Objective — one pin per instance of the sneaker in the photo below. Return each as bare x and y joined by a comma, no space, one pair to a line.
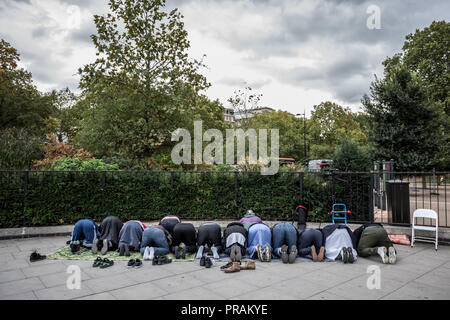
104,247
146,255
202,261
208,263
382,253
235,267
267,253
293,254
344,255
351,257
75,246
392,255
176,251
314,253
321,254
95,246
284,254
36,257
260,253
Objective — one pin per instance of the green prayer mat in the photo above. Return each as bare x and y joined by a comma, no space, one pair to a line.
86,254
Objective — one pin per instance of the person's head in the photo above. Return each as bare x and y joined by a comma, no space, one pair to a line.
250,211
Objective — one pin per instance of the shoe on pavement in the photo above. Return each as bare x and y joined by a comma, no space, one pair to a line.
382,252
344,255
226,265
284,254
36,257
202,261
208,263
249,265
235,267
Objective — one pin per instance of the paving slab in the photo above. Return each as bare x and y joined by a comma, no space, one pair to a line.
143,291
20,286
197,293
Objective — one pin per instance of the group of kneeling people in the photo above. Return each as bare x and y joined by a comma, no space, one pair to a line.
249,236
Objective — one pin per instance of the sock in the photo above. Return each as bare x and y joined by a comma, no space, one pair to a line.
151,252
146,253
199,252
215,253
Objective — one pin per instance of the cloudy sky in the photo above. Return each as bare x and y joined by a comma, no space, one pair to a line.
295,53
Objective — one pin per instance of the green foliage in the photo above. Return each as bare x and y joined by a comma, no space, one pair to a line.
349,156
79,164
329,124
21,104
18,148
404,124
63,197
290,131
143,85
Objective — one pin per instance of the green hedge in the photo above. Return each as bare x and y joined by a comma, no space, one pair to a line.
63,197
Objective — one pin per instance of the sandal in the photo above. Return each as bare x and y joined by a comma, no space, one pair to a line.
138,263
132,263
97,262
106,263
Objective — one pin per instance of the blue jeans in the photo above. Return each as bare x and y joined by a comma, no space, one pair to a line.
86,230
156,238
308,238
283,233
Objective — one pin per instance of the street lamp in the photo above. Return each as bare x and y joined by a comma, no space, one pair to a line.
304,132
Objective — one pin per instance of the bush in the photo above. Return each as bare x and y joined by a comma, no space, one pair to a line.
56,197
79,164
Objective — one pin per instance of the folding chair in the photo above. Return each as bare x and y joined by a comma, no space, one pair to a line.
425,213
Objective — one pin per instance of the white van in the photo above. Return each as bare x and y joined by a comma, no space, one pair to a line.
319,165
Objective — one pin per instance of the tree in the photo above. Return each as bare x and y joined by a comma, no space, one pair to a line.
143,85
404,124
426,53
18,148
328,125
242,102
290,131
349,156
21,104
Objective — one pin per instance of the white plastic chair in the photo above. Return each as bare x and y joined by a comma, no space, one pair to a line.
425,213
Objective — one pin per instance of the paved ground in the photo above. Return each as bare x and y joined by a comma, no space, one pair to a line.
420,273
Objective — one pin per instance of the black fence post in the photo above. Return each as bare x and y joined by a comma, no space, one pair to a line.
171,194
25,193
300,184
236,193
103,193
371,204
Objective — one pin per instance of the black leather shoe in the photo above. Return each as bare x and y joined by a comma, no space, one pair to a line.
202,261
208,263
